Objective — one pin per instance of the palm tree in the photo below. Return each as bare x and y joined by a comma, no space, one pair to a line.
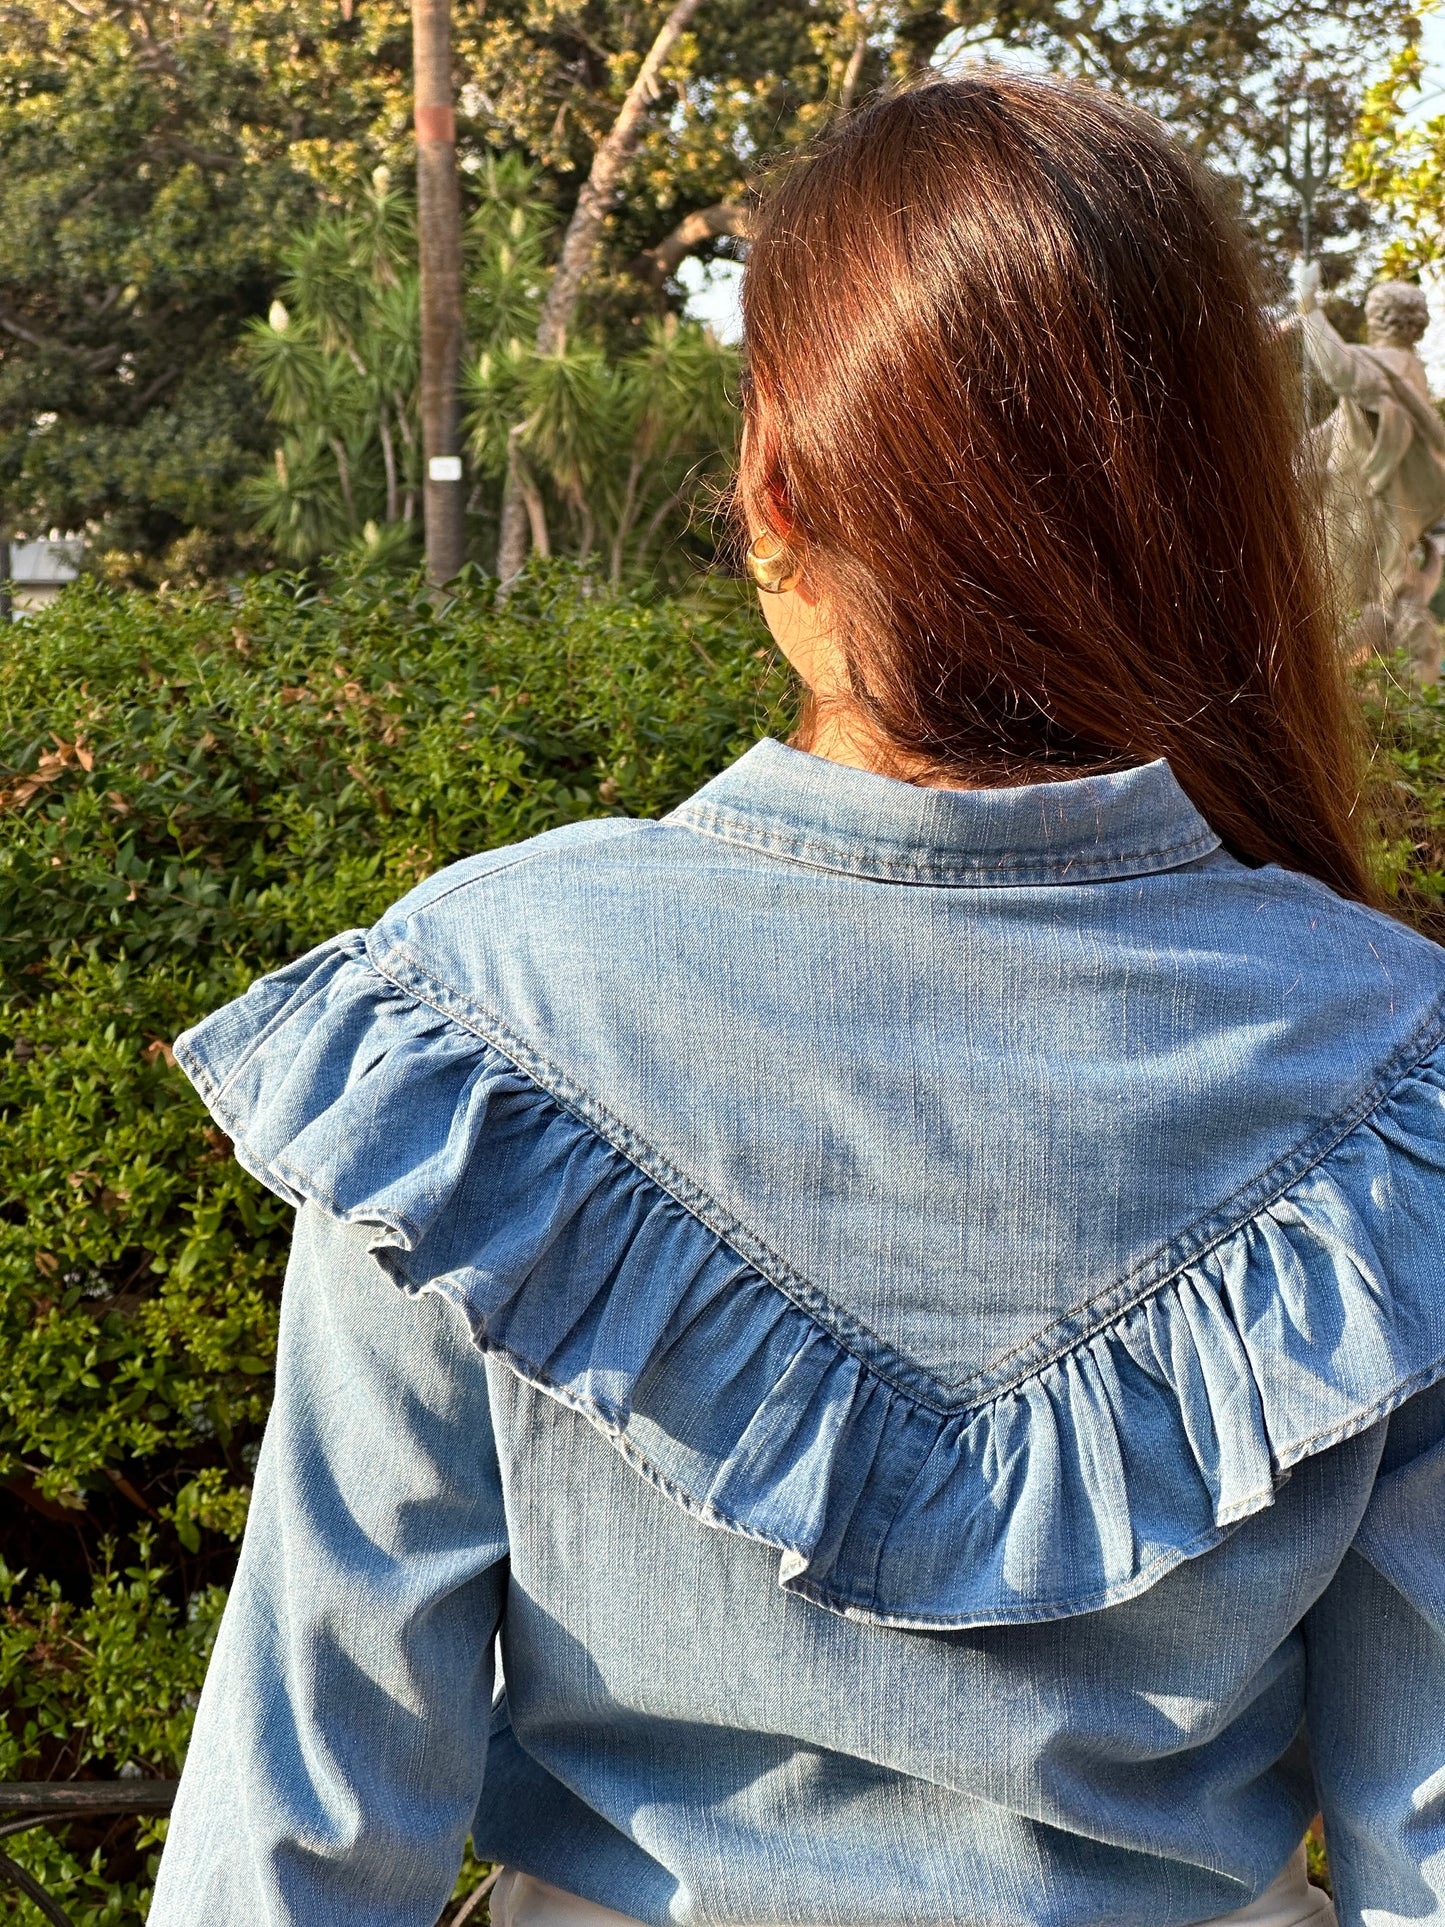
618,447
439,233
610,452
338,362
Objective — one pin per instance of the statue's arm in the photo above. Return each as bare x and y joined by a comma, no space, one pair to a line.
1346,369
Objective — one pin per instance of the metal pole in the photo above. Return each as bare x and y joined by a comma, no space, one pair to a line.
439,233
7,607
1306,169
1307,202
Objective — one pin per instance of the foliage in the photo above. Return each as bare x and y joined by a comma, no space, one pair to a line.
617,448
624,445
1232,79
192,790
151,161
1408,723
155,162
116,1672
1399,164
338,361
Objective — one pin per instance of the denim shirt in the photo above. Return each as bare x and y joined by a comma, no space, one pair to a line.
915,1322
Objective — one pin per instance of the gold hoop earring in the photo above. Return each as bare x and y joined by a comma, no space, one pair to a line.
774,569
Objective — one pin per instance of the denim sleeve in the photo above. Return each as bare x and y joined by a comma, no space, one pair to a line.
341,1737
1376,1707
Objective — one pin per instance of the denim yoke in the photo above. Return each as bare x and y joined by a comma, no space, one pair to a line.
921,1327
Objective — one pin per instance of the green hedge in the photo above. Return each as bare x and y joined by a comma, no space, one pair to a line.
192,791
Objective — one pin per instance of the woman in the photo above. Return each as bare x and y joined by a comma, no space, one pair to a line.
922,1281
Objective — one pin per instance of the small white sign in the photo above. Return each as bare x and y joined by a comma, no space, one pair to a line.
445,468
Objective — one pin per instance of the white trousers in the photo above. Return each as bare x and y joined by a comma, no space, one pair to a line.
520,1901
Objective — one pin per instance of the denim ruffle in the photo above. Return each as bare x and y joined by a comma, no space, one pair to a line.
1132,1450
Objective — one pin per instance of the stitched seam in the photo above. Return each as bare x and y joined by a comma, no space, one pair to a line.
1264,1190
1164,1562
616,1435
340,946
1140,1582
859,1605
729,828
1350,1428
837,1600
1229,1515
1302,1449
1236,1214
852,1603
305,1183
659,1170
713,819
197,1072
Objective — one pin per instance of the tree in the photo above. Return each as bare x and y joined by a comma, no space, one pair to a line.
337,360
1399,165
579,248
616,448
1230,78
625,448
152,161
439,232
155,159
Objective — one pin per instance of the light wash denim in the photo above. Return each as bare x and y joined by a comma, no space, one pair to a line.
916,1317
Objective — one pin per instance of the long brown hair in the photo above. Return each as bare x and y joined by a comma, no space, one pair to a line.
1013,399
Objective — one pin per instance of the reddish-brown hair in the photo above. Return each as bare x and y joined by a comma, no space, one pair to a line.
1012,399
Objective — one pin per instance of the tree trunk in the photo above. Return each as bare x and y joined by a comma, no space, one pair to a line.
513,536
579,245
524,494
439,230
388,456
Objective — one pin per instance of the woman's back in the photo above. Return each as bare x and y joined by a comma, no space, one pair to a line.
957,1214
923,1304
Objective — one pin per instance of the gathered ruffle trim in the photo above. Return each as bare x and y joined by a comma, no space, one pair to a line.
1076,1487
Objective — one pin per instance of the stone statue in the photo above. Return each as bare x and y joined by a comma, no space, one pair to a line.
1383,452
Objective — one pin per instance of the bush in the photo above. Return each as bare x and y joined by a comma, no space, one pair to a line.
1408,724
192,791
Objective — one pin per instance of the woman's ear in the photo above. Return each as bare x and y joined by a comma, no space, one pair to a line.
778,510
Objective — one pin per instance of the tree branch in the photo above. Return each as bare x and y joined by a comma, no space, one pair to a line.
200,156
22,333
658,264
854,68
95,359
579,246
148,394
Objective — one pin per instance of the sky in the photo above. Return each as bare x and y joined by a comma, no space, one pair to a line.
1432,42
712,295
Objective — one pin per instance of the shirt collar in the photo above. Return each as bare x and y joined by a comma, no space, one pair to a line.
824,814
